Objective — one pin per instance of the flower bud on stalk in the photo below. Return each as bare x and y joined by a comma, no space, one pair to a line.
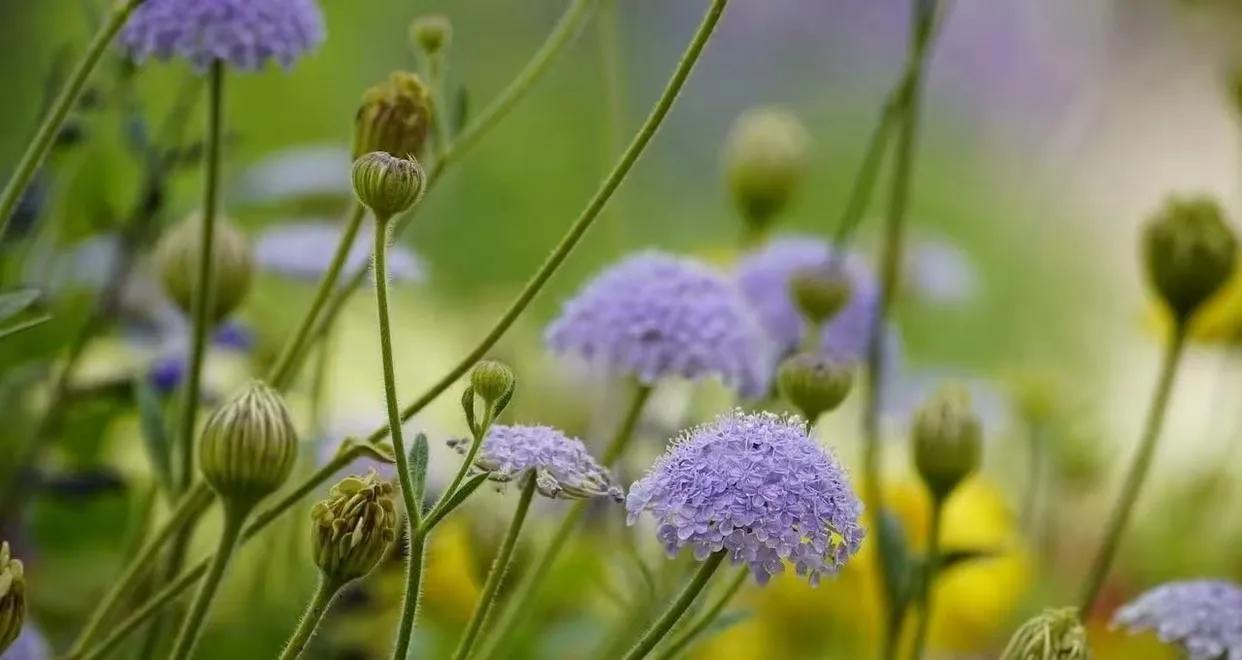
765,160
431,33
1189,253
12,597
386,184
820,293
814,383
353,528
394,117
1056,634
249,445
492,381
178,255
947,440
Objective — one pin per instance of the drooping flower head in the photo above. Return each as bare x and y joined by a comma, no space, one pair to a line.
561,465
764,279
757,486
245,34
654,316
1204,617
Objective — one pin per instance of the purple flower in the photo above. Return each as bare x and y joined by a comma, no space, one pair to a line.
1204,617
654,315
243,33
561,465
757,486
763,277
303,251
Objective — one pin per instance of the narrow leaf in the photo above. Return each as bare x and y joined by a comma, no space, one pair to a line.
15,302
418,465
467,406
25,325
461,110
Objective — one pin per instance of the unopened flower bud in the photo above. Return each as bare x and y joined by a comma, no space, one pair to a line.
765,160
820,293
394,117
432,33
814,383
248,445
179,253
492,380
386,184
947,440
1056,634
1189,252
354,527
12,597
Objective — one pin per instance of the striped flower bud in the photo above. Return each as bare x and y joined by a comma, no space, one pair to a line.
249,445
178,255
386,184
394,117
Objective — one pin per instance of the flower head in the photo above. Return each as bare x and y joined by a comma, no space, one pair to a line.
655,315
245,34
354,527
757,486
561,465
1204,617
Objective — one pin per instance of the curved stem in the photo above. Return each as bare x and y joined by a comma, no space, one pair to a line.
472,452
192,626
683,639
45,136
319,603
500,566
931,567
1138,471
661,626
864,180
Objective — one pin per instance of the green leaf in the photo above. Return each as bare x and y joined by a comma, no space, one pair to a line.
897,560
25,325
16,302
155,439
954,558
461,110
418,466
467,406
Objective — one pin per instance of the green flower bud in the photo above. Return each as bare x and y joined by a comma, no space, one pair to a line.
1054,635
492,380
765,160
820,293
947,440
814,383
12,597
386,184
248,445
432,33
394,117
1189,252
178,255
354,527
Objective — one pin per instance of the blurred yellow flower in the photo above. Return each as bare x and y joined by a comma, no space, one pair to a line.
1219,321
450,584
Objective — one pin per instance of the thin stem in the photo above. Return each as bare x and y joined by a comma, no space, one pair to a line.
661,626
435,77
1035,476
500,566
1138,470
45,136
931,567
476,441
691,633
192,626
864,180
325,591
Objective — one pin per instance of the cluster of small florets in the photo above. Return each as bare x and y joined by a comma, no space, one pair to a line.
561,465
758,487
655,316
1204,617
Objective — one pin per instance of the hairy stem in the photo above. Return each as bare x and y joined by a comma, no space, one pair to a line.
662,625
325,591
192,626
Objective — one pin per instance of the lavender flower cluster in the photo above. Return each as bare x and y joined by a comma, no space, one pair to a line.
561,465
758,487
1204,617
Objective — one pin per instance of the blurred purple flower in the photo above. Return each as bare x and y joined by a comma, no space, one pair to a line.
29,645
654,316
1204,617
243,33
561,465
166,369
757,486
299,173
303,251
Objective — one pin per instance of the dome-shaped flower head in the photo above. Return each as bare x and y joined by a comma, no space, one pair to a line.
757,486
561,465
245,34
764,275
654,316
1204,617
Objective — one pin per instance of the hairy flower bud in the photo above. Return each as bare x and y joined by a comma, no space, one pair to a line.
819,293
178,255
386,184
394,117
947,440
492,380
432,33
354,527
12,597
1189,251
1056,634
765,159
814,383
248,445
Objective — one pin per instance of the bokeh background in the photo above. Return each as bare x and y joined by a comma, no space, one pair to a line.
1052,130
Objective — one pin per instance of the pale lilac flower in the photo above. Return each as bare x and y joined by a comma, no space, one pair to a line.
654,316
941,272
561,466
243,33
29,645
1204,617
305,174
303,251
757,486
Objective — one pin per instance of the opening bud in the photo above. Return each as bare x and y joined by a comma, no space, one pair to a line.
394,117
178,256
1189,252
947,440
1056,634
12,597
820,293
431,33
386,184
492,381
765,160
814,383
249,445
354,527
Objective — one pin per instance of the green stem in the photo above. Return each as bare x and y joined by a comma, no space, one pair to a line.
1138,470
661,626
500,566
1035,478
476,441
45,136
685,637
324,593
192,626
864,181
931,567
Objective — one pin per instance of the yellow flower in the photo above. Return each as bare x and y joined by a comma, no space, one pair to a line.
450,584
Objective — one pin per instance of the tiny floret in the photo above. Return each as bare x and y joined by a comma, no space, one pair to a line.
655,316
354,527
1203,617
12,597
757,486
1056,634
561,466
249,445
